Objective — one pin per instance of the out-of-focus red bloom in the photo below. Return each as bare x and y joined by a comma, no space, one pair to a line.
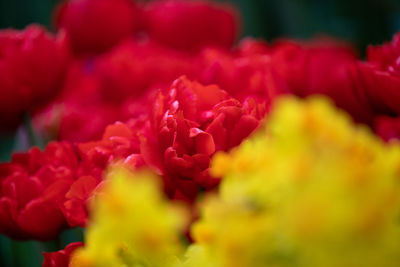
79,114
83,123
119,143
322,67
32,186
60,258
95,26
32,66
189,123
249,47
131,68
113,87
243,72
381,76
75,206
191,25
387,128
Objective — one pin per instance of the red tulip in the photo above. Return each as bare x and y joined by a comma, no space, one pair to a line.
189,123
323,67
32,186
387,128
94,26
131,68
191,25
242,72
381,76
32,66
119,143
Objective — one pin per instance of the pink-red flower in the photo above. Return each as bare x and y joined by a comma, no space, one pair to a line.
60,258
188,124
134,67
95,26
32,186
242,72
32,66
388,128
380,80
115,86
119,144
324,67
74,206
191,25
79,113
381,76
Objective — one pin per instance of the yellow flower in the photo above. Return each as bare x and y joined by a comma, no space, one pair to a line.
132,224
310,189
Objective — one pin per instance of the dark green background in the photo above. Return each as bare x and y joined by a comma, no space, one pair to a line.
361,22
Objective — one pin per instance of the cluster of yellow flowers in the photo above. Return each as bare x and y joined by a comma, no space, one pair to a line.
309,189
132,224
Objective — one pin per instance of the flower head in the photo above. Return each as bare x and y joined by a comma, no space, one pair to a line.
189,123
381,76
94,26
32,186
322,67
119,144
32,67
191,25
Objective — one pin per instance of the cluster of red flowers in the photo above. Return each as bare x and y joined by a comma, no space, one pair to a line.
158,85
32,67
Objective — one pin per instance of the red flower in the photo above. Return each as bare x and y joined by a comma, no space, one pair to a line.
79,113
95,26
381,76
32,186
60,258
113,87
322,67
189,123
75,206
81,123
32,66
387,128
119,143
191,25
243,72
131,68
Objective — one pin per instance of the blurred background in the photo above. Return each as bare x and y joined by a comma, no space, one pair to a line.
361,22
